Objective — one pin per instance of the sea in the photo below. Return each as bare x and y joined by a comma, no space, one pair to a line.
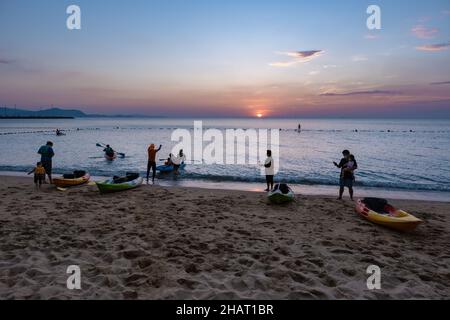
400,158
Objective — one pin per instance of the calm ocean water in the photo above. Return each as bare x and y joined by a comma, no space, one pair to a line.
392,154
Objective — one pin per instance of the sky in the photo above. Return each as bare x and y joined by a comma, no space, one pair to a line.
234,58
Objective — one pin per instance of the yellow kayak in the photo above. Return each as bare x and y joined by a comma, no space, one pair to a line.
71,180
379,211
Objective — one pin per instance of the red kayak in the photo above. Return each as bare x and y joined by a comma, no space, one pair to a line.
111,158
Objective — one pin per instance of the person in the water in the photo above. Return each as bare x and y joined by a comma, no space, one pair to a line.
168,161
109,151
178,161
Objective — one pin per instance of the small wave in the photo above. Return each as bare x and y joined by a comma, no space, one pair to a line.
368,180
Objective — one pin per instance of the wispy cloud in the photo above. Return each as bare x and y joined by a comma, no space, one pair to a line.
446,12
361,93
434,47
359,58
297,57
371,36
422,32
440,83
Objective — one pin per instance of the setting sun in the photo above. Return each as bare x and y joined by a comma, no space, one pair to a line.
259,115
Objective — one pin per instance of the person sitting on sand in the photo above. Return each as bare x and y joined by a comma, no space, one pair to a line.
152,160
109,151
178,161
269,170
47,154
39,174
346,176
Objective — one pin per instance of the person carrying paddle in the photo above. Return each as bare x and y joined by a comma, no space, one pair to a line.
47,154
109,151
151,164
347,175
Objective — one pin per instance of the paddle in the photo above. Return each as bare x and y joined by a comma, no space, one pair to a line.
102,145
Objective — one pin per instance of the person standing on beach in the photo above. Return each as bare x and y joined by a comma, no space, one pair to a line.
347,176
47,154
39,175
269,170
151,164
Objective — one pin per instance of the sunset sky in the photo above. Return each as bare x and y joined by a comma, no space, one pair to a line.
227,58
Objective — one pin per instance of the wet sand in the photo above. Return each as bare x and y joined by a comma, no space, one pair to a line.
187,243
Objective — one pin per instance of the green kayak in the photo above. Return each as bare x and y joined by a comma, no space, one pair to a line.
281,194
119,184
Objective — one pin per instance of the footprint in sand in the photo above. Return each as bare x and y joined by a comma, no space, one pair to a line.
188,284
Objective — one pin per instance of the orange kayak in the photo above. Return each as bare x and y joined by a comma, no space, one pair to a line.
379,211
71,180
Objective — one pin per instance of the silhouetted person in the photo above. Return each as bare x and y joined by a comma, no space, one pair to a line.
151,164
47,154
178,161
109,151
347,176
269,170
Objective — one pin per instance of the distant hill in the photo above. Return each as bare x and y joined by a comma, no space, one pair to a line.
53,112
57,112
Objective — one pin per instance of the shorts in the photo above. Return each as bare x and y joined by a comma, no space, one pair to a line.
346,182
176,167
269,179
39,178
47,166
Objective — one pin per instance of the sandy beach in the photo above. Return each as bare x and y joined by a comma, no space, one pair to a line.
187,243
